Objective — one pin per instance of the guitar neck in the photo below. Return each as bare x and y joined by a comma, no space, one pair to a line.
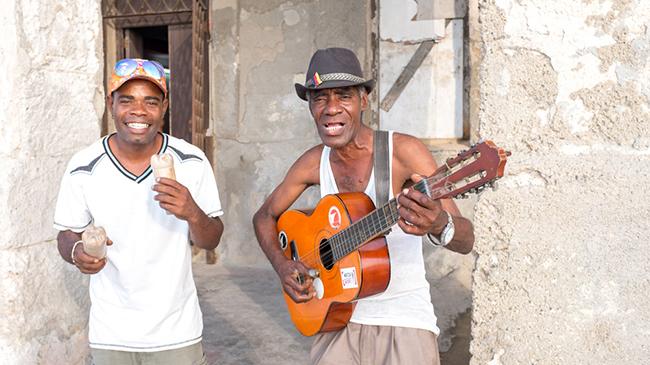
383,218
469,172
364,230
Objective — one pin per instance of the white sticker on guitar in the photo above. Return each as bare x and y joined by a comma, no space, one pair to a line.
349,278
334,217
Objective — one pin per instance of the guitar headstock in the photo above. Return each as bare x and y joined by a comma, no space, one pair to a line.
470,171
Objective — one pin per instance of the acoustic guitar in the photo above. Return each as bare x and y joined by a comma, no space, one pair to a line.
343,241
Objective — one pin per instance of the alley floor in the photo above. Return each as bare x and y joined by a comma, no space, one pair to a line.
246,321
245,318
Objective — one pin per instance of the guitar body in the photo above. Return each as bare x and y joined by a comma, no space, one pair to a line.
357,275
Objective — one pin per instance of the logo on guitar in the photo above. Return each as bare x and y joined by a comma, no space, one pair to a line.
349,278
334,217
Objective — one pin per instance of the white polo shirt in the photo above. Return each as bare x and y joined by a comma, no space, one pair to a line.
144,299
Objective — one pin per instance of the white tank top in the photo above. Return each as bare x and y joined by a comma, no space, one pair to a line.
406,302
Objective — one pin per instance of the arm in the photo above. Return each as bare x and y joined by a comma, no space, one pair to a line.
175,198
85,263
419,214
301,175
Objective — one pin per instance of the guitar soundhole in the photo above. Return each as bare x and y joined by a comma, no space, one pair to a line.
326,255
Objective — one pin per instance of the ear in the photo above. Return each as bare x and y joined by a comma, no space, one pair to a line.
309,102
109,103
165,105
364,101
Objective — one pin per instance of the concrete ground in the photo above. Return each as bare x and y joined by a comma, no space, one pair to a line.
245,317
246,322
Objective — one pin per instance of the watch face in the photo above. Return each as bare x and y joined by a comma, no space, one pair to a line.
448,235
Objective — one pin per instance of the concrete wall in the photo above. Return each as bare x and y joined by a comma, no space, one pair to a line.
50,106
258,50
562,269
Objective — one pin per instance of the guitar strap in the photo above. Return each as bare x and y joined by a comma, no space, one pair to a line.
381,164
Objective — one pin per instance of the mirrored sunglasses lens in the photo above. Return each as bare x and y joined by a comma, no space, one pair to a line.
125,67
159,67
151,69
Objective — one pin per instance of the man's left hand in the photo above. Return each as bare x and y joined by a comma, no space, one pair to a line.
418,213
176,199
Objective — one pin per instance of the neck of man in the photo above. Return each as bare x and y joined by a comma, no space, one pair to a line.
359,146
134,153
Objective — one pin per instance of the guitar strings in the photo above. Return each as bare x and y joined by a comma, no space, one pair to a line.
348,238
338,242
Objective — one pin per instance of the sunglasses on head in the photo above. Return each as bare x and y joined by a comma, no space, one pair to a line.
130,66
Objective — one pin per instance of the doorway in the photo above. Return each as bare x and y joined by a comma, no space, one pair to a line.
152,43
176,36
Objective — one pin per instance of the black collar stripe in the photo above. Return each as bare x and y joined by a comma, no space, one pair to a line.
124,171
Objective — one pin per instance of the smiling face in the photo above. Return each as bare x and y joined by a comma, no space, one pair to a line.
337,113
138,108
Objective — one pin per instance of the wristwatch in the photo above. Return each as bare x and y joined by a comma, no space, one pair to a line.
446,235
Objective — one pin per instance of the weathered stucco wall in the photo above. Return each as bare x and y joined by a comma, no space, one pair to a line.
562,270
258,50
50,106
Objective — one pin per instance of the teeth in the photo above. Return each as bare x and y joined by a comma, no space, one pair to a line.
333,127
138,125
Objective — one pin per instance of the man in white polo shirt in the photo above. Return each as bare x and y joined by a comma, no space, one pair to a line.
145,309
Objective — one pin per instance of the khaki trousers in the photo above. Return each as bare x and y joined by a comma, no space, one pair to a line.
189,355
360,344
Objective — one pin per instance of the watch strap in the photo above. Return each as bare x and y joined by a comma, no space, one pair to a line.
438,241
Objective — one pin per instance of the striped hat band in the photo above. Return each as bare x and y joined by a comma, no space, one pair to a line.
337,76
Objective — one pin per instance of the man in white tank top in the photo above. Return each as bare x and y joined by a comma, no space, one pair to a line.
397,326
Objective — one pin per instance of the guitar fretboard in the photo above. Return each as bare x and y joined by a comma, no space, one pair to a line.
374,224
365,229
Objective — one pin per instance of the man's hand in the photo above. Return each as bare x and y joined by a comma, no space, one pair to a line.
176,199
419,214
291,274
88,264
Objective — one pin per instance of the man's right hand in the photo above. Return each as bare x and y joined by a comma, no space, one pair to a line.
296,281
88,264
